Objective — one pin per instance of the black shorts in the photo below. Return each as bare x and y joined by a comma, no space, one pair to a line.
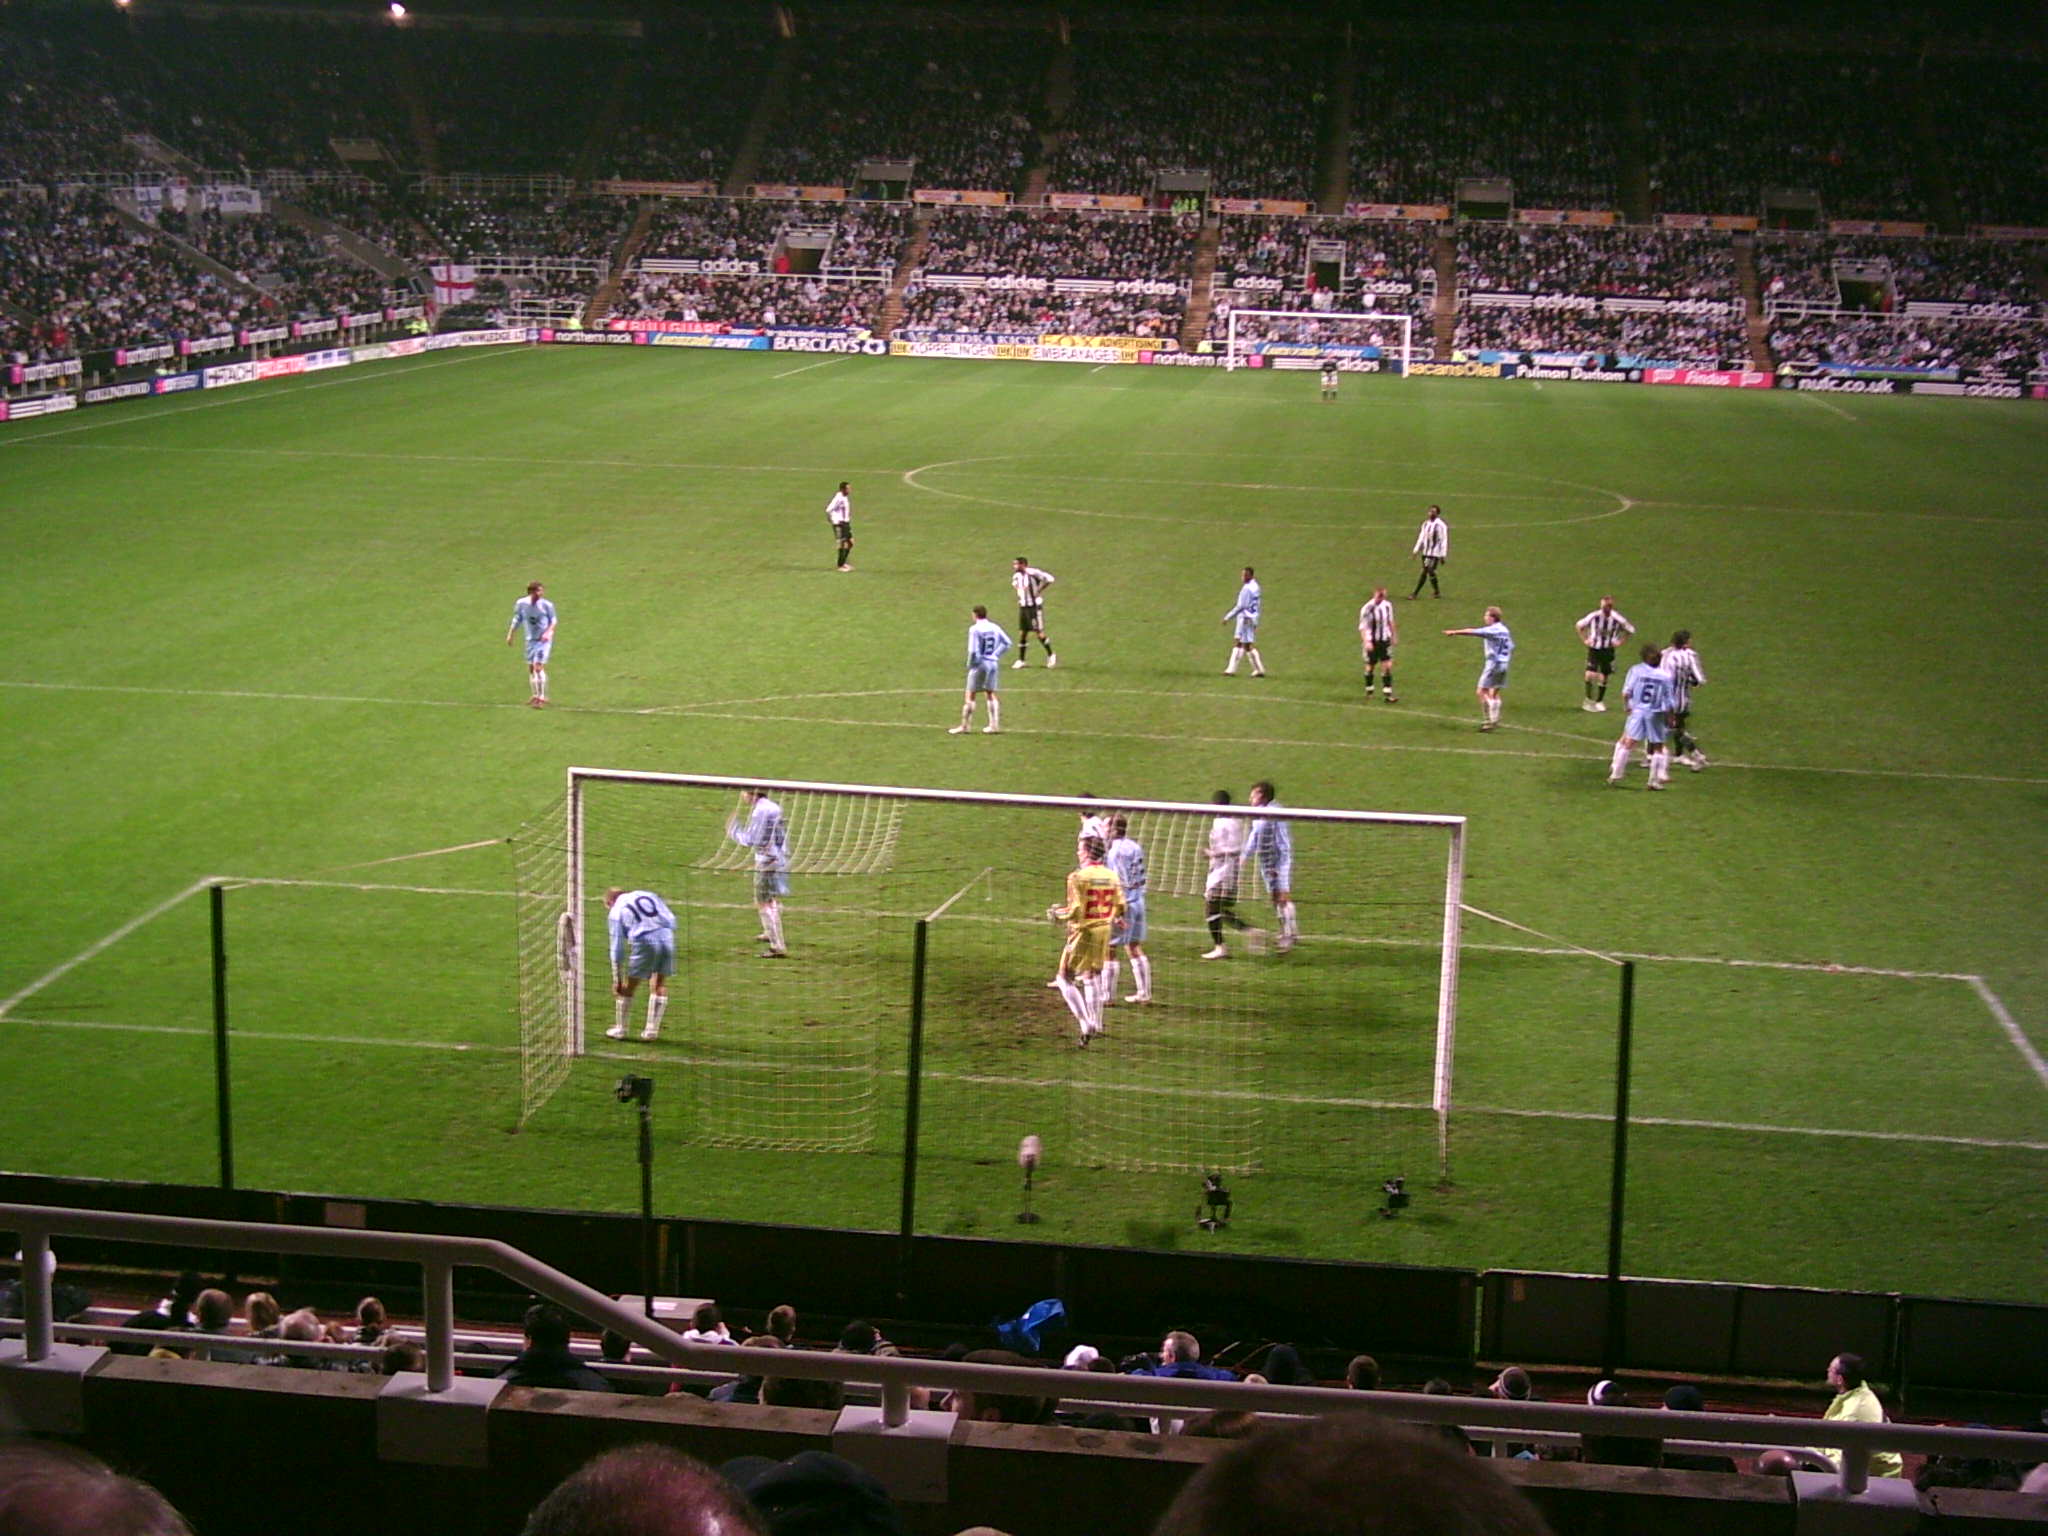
1600,658
843,532
1028,618
1379,650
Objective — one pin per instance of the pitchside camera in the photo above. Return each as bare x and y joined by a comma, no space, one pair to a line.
634,1089
1214,1211
1396,1191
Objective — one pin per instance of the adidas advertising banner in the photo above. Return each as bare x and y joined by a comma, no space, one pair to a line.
1976,389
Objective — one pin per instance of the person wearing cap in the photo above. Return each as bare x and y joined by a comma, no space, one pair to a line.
1512,1385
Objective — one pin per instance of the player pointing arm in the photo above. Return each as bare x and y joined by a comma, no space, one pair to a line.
1493,676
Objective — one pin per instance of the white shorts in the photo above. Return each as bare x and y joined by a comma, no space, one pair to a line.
537,652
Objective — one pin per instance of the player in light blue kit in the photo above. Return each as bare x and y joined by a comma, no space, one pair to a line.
1127,863
643,947
536,615
1648,693
758,824
1500,647
1270,846
986,643
1245,613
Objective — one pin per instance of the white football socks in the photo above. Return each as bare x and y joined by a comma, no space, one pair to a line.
1287,928
622,1009
657,1005
1141,973
1230,666
995,713
1110,972
771,919
1258,666
1077,1004
1620,765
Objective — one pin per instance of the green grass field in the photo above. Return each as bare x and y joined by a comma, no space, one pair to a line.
258,635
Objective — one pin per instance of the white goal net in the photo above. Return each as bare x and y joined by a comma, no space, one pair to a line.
917,945
1359,342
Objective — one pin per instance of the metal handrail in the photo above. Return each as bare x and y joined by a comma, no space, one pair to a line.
439,1256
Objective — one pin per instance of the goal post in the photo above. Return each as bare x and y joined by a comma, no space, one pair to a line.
1340,1046
1353,338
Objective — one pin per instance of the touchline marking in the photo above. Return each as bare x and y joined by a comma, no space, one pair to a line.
1828,405
469,458
123,419
99,947
790,373
706,712
243,882
2010,1025
727,1063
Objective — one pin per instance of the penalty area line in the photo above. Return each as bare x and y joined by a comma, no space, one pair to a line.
790,373
99,947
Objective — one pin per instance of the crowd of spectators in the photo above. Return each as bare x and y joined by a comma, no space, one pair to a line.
927,310
689,102
79,279
1996,154
717,229
296,270
765,301
567,229
1246,109
1431,111
1035,242
1577,259
363,209
1887,341
868,236
1711,341
1381,259
1724,125
1802,267
957,100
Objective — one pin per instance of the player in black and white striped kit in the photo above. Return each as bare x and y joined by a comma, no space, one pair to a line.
1030,584
1376,634
1682,666
1432,548
839,513
1602,630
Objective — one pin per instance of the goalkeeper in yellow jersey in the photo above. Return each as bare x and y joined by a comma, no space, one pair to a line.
1095,901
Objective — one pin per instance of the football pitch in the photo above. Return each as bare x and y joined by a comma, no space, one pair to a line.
258,637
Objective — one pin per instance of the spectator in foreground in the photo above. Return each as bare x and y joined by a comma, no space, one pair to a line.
54,1490
1180,1354
1348,1474
212,1312
644,1490
747,1389
1854,1403
1512,1385
401,1355
1617,1450
546,1360
174,1311
1362,1374
1000,1408
814,1493
1436,1386
1685,1398
262,1319
782,1324
707,1326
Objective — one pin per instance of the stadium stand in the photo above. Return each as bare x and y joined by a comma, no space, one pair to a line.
1247,109
1948,271
1429,110
959,101
683,118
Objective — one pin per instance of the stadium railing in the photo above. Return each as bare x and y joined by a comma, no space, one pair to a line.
438,1258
